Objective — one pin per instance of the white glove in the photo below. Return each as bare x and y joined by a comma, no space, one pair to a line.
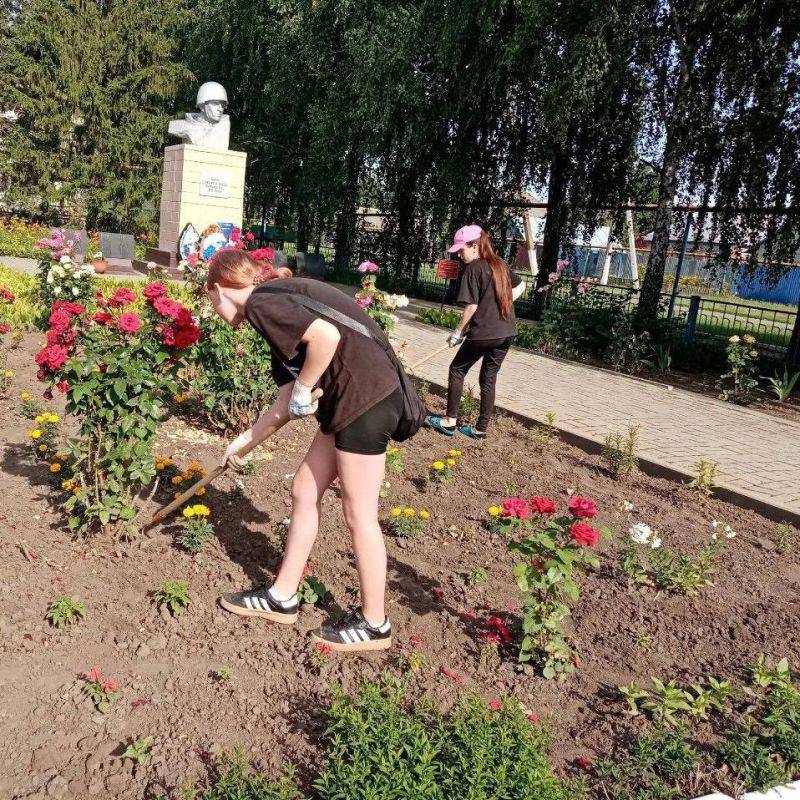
231,457
301,403
455,338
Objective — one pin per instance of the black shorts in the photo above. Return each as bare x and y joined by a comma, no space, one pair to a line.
370,433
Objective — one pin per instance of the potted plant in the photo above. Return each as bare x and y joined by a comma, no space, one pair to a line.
99,263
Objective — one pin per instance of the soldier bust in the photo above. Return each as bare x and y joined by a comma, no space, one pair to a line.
212,126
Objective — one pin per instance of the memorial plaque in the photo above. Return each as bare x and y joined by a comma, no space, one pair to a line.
117,245
447,269
214,184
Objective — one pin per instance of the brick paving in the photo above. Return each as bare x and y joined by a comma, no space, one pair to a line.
758,455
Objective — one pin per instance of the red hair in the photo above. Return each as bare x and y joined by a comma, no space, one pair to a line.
237,270
500,276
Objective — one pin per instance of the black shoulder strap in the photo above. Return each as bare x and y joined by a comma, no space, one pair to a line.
327,311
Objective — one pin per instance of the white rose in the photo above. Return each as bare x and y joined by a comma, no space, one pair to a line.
76,291
65,260
401,300
49,277
640,533
656,543
57,290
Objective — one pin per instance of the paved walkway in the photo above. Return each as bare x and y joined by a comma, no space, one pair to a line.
758,455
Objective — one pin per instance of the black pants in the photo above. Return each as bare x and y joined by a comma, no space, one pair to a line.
493,353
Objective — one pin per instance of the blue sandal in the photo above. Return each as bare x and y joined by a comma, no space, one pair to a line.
436,423
468,430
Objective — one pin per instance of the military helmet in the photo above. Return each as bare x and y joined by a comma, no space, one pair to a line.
211,90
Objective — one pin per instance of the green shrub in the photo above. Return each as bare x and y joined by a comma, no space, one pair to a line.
233,376
754,763
234,779
18,237
381,747
65,611
653,770
23,313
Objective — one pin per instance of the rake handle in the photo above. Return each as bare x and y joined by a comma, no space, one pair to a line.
428,357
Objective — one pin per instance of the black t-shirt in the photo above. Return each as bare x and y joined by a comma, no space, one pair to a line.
477,287
360,374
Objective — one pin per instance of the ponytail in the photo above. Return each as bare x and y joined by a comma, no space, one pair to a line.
500,276
237,270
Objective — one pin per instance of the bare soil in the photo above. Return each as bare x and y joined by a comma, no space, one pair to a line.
54,744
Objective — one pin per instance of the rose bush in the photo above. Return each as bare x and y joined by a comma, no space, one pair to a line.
378,304
59,277
115,368
554,548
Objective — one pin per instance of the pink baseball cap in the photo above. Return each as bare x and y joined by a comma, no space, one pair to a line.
465,235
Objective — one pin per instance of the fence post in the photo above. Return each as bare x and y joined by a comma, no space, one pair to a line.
679,267
793,351
691,319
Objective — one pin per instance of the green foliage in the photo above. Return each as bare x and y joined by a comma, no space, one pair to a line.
545,434
469,406
785,537
312,591
547,577
196,534
443,318
705,479
139,751
476,576
394,459
174,596
64,611
94,85
233,377
25,311
753,762
740,383
18,237
379,747
783,386
234,779
620,452
653,770
30,408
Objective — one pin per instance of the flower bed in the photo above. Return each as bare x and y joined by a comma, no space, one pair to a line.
150,618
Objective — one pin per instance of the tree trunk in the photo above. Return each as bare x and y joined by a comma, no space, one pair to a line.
302,228
556,216
345,234
647,309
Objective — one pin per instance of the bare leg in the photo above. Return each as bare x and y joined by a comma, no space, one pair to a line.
360,478
311,480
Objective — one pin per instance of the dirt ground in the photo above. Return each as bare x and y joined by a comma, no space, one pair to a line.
54,744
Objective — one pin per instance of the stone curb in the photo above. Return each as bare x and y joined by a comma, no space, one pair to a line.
789,791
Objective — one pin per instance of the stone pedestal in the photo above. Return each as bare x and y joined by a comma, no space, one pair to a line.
200,186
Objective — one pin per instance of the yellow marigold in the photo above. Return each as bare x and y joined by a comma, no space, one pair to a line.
9,374
494,511
76,489
61,456
51,417
179,398
451,462
409,512
39,419
194,466
396,512
176,479
201,491
425,514
55,467
66,485
42,448
25,395
438,465
200,510
455,452
188,512
35,434
393,450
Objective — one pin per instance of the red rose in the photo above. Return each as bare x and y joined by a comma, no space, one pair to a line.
186,337
4,327
542,505
153,291
60,320
53,357
584,535
515,507
102,317
6,296
167,307
122,298
73,309
129,322
40,374
99,300
62,387
582,507
47,394
249,236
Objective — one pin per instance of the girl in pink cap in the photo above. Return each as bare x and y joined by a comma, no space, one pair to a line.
485,331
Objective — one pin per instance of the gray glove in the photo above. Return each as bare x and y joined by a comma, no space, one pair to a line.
455,338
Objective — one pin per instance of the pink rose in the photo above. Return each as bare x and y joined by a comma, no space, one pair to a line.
364,301
367,267
582,507
129,322
542,505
